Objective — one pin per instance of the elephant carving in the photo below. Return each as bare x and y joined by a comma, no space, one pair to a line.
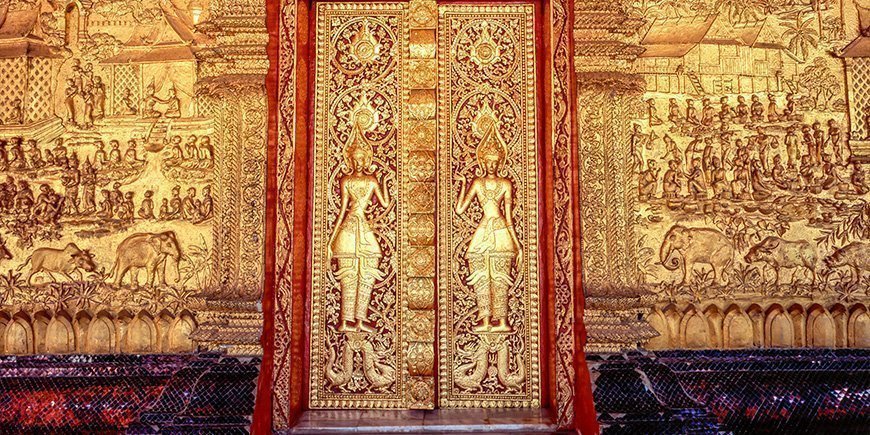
149,251
683,248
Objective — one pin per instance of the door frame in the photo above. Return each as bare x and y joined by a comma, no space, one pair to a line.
282,386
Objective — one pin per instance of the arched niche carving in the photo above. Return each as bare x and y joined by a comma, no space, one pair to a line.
714,323
179,333
778,327
5,319
81,324
694,330
122,322
737,329
40,327
18,338
164,323
799,324
841,323
859,327
141,335
821,331
756,316
657,320
673,317
59,335
101,334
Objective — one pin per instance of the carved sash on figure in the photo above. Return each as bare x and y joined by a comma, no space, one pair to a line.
488,278
356,288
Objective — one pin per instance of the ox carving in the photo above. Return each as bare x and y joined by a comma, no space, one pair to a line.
779,253
60,261
855,256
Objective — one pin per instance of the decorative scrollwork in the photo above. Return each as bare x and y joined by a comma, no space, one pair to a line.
357,285
488,208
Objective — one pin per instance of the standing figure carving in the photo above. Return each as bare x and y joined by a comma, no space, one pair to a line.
494,246
354,245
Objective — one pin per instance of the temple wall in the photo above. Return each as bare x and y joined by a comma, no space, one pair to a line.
723,226
132,210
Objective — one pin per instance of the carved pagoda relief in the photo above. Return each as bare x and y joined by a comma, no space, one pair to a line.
116,161
728,155
487,208
357,285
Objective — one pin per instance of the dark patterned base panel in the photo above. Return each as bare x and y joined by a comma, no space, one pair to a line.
750,391
668,392
205,393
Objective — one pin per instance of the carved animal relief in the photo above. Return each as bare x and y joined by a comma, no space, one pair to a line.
131,189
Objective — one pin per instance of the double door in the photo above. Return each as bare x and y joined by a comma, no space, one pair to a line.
424,274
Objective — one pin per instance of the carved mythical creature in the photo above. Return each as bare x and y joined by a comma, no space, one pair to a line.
339,368
149,251
683,247
469,375
63,261
494,245
353,244
780,253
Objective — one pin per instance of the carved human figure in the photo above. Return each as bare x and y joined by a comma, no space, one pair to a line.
353,244
494,247
648,181
173,104
149,103
146,210
128,105
206,150
70,93
99,96
88,182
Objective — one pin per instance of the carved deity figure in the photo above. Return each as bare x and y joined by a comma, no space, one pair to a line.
494,247
353,244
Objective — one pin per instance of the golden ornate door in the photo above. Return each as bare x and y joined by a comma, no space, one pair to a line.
425,176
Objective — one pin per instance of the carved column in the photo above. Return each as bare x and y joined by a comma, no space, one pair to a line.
232,67
606,92
420,218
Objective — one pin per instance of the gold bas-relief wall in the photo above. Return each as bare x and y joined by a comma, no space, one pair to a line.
725,151
132,154
405,97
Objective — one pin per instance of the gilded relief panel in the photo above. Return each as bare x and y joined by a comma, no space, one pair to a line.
357,277
487,207
742,202
116,160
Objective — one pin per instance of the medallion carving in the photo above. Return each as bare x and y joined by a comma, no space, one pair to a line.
487,208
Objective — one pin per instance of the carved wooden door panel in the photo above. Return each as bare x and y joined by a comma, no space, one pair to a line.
424,113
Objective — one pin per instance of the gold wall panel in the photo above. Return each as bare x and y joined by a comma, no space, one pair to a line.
487,207
132,176
723,179
358,230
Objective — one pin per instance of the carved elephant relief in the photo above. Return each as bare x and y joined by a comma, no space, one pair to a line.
683,248
149,251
